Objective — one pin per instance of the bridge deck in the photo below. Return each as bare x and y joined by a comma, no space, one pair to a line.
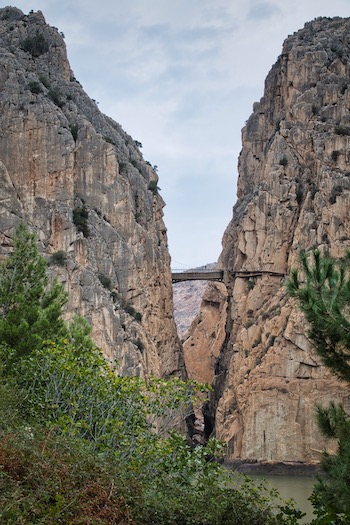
218,275
201,275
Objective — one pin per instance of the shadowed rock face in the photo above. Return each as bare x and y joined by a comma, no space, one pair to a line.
293,193
80,182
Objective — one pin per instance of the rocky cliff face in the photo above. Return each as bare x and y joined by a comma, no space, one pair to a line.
80,182
207,333
293,193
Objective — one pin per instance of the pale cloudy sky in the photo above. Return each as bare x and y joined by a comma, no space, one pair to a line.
181,77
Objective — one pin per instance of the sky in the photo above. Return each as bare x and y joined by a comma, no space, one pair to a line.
181,77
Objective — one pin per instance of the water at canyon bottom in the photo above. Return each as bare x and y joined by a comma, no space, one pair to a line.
298,488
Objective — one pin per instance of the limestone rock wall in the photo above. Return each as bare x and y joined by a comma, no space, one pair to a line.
207,334
80,182
293,193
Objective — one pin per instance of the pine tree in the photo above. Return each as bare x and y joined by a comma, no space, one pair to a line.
323,293
30,307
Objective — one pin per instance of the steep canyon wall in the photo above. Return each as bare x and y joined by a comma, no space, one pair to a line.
81,184
293,193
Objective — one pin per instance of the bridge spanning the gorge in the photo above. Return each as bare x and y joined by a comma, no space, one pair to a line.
209,274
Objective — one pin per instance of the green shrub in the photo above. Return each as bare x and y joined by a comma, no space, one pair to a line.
109,140
56,96
50,477
131,311
80,217
35,87
36,45
299,193
153,187
336,191
283,161
45,81
342,130
105,281
139,344
251,283
335,155
59,258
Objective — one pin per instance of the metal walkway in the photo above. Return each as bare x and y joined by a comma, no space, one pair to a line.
196,275
218,275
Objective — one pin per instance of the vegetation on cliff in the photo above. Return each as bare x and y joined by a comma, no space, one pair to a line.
323,293
80,445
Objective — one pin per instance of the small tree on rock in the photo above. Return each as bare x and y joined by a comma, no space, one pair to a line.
31,308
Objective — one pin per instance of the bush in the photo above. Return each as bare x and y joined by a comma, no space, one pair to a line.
35,87
45,81
131,311
105,281
283,161
80,217
58,258
74,129
139,344
342,130
55,95
109,140
299,193
153,187
251,283
335,155
49,477
36,45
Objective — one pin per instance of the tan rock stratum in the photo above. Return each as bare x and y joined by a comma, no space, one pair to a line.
62,160
293,193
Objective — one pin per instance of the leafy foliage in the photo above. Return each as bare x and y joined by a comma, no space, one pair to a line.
56,96
35,87
80,445
105,281
59,258
324,297
50,477
80,217
323,294
36,45
153,187
31,308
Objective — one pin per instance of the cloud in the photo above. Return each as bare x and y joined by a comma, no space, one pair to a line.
263,11
181,77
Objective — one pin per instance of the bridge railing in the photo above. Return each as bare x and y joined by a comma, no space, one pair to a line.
194,270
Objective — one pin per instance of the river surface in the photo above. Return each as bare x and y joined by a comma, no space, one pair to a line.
298,488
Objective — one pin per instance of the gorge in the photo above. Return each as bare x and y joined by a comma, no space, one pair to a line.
293,194
80,182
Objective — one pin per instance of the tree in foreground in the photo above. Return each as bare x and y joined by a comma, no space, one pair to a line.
30,306
322,290
80,445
